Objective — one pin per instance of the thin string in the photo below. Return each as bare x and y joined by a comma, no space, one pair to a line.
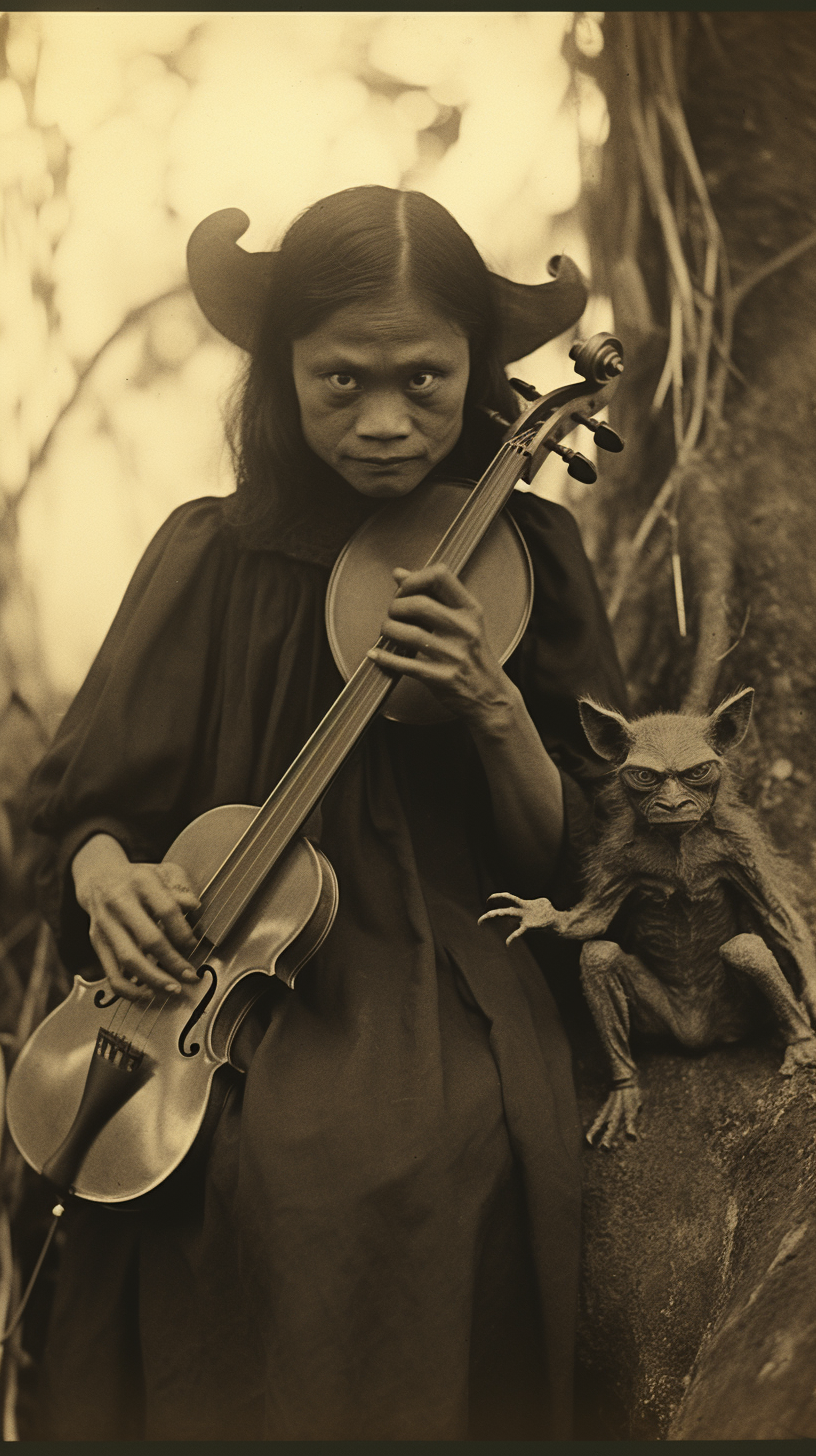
293,799
237,878
456,547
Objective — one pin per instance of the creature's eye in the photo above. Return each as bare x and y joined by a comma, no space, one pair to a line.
642,778
700,774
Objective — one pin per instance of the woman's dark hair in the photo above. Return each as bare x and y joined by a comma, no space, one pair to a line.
346,249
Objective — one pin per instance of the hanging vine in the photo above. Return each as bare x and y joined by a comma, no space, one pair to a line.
693,303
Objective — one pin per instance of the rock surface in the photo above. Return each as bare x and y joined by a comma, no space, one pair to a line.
698,1315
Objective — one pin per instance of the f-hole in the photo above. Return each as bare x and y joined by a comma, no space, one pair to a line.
195,1047
99,998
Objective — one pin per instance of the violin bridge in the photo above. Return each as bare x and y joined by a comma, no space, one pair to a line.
117,1049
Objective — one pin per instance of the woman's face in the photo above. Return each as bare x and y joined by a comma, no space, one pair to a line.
381,388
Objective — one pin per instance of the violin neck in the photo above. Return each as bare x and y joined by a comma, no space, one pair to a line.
481,508
292,800
277,822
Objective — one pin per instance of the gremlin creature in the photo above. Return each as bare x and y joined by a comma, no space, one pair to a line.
686,914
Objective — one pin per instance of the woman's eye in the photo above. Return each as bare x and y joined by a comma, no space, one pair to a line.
342,381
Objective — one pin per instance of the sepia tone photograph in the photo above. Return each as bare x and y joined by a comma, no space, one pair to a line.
407,812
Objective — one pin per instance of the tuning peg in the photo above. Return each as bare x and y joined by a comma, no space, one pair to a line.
605,437
527,391
577,465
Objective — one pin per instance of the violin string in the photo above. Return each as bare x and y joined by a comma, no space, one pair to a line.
358,702
311,782
120,1017
157,1011
295,797
468,529
457,545
120,1011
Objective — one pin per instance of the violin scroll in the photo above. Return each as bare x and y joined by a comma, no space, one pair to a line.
548,418
599,359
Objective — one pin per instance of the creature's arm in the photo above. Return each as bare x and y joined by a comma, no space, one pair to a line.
584,921
761,887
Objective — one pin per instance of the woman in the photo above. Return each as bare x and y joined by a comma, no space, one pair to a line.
383,1240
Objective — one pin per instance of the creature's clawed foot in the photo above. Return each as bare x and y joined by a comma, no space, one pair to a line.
531,914
799,1054
622,1105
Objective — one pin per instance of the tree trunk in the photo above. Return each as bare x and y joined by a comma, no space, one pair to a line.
701,1257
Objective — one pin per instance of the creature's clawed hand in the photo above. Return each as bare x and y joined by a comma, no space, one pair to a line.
799,1054
531,914
622,1105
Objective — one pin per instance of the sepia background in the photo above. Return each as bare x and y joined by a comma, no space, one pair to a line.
123,130
671,155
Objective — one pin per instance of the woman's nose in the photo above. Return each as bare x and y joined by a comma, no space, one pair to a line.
383,415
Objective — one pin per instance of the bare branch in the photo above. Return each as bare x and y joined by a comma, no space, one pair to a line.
780,261
132,318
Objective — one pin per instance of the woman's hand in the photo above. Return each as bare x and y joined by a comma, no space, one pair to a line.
138,926
436,618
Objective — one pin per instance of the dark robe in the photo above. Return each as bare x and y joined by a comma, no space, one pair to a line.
383,1240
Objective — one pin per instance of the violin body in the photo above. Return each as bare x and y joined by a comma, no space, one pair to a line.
141,1143
499,573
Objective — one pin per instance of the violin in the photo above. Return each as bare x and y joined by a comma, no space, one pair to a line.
108,1095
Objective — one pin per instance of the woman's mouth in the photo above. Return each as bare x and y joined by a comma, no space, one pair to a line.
384,462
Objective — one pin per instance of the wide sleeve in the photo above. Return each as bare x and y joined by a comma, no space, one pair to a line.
123,752
567,652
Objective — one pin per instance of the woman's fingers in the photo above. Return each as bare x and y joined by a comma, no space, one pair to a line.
166,896
423,611
415,639
436,581
138,924
426,671
450,639
435,633
150,940
142,950
406,634
120,980
174,877
462,620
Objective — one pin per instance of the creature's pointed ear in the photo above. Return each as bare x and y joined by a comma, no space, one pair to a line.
728,724
608,732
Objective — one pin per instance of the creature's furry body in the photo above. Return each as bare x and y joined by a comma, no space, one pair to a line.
683,900
699,931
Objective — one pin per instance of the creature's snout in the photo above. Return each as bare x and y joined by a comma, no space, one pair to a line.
673,803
